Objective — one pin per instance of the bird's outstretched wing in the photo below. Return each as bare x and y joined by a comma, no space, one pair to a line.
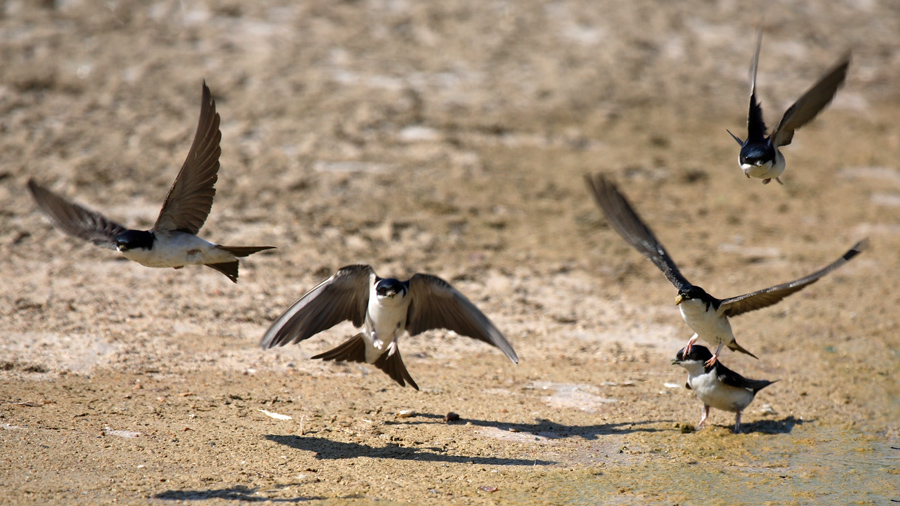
626,221
74,219
763,298
343,296
435,304
754,63
191,196
812,102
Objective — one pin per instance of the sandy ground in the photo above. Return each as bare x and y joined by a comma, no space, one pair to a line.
448,138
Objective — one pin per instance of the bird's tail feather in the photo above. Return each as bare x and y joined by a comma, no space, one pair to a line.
757,385
392,364
353,350
734,346
229,269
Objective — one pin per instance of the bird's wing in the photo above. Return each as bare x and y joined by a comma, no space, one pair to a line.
755,61
756,127
731,378
74,219
766,297
191,196
437,305
626,221
343,296
814,100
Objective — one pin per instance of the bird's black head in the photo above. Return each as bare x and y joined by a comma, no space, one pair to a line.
757,153
390,287
133,239
693,293
698,353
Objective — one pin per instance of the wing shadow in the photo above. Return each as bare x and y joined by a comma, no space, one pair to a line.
236,493
328,449
550,429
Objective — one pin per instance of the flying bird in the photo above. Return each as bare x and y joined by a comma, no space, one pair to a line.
760,156
385,308
706,315
173,240
716,385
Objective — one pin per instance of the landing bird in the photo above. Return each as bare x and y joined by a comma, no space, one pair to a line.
760,157
385,308
716,385
173,241
706,315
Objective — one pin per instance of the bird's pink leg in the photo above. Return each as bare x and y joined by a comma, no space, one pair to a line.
737,423
712,360
704,413
392,348
779,181
690,344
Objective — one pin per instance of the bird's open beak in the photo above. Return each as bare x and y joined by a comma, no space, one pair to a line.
679,299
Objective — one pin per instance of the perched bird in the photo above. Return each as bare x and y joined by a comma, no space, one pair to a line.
173,241
705,314
760,157
716,385
385,308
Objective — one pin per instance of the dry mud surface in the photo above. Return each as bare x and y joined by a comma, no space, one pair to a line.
451,138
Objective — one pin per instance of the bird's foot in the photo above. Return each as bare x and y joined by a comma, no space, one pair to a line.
377,343
748,175
392,348
715,356
779,181
767,180
737,423
690,344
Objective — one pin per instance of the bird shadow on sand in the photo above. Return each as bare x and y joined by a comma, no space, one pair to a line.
541,430
783,426
328,449
236,493
549,429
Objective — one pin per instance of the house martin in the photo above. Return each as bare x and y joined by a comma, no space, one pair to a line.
716,385
760,157
173,240
706,315
385,308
